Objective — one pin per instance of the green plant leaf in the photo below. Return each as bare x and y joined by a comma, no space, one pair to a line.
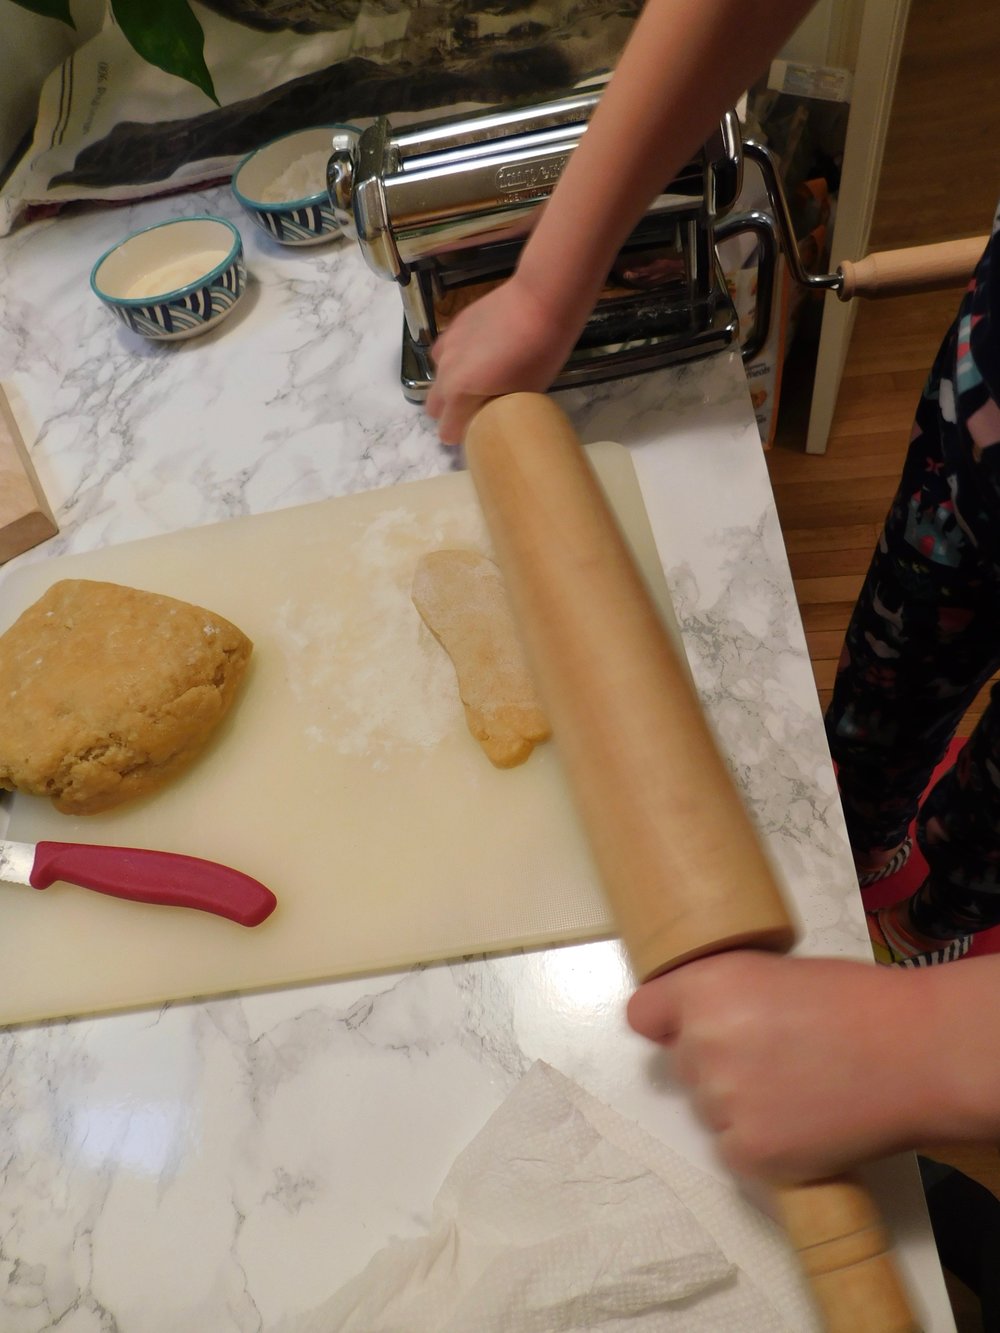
167,34
49,9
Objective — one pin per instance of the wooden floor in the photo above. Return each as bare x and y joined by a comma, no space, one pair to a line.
940,180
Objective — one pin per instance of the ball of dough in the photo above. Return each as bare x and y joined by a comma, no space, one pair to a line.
107,692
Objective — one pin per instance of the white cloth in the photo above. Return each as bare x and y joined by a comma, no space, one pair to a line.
560,1217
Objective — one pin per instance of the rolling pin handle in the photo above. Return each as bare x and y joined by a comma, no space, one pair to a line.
844,1252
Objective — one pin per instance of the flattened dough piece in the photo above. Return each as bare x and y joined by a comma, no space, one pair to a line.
461,599
108,692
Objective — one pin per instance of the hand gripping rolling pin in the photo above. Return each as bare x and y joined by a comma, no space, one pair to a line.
679,859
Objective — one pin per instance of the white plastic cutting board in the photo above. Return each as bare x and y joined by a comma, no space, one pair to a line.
344,777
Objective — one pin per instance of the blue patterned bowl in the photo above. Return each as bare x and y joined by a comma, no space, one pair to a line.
175,279
282,185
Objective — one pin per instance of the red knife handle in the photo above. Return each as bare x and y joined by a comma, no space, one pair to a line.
163,878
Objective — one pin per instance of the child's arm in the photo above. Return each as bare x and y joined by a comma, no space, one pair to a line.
685,62
806,1066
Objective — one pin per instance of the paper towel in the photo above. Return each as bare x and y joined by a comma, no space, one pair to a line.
562,1217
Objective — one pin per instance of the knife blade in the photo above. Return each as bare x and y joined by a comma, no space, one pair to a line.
142,875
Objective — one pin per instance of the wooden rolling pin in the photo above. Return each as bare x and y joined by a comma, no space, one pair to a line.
919,268
681,864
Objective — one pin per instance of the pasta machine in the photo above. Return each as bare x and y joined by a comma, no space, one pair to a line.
443,209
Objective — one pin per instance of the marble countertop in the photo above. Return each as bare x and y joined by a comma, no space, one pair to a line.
226,1165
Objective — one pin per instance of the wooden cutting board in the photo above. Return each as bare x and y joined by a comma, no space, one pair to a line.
25,516
344,778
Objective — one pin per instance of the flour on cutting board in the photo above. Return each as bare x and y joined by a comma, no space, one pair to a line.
369,675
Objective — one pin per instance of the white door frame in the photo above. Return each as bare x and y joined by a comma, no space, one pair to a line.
880,43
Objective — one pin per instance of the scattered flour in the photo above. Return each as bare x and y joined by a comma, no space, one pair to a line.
369,675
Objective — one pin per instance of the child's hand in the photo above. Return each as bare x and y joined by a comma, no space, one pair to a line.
801,1066
505,342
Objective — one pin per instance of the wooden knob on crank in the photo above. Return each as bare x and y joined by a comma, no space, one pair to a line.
917,268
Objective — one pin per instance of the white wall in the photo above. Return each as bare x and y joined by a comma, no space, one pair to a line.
828,35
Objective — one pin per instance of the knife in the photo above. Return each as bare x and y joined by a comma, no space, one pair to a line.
163,878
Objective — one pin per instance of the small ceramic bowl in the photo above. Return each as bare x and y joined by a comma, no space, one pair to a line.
283,187
174,279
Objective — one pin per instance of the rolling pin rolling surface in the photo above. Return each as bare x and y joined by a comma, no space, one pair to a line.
682,866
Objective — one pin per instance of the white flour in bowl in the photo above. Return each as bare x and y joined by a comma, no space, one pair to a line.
300,179
177,274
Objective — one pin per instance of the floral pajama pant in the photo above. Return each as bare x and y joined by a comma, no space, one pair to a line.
925,635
